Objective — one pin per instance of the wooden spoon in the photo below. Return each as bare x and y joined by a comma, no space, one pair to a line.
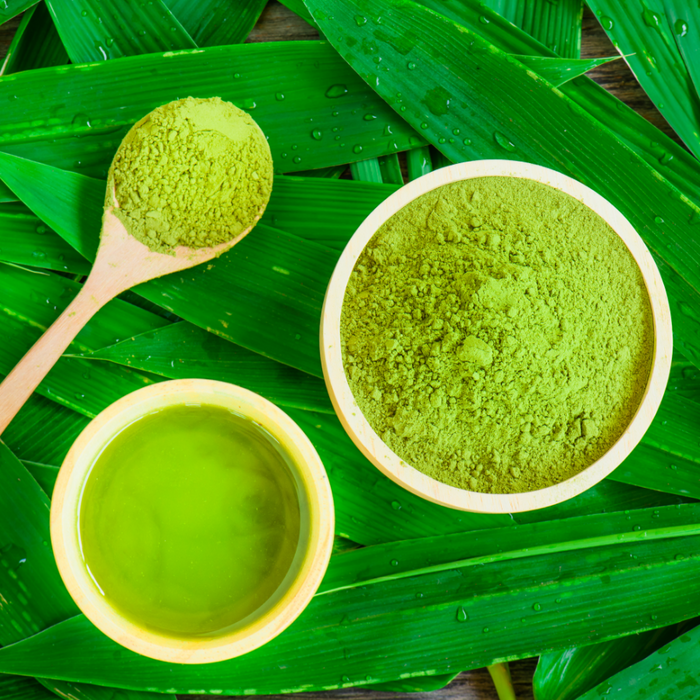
122,262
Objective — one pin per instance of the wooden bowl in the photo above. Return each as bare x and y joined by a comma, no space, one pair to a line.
308,566
382,456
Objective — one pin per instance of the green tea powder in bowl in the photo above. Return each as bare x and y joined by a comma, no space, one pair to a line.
195,173
497,335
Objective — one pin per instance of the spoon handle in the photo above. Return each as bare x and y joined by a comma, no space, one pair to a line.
35,365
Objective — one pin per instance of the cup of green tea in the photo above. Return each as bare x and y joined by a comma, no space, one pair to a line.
192,521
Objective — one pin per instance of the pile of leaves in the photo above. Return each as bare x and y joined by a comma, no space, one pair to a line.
603,588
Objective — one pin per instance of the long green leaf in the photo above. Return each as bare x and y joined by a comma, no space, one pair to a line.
390,168
26,240
36,43
97,30
43,431
181,351
418,684
641,30
685,379
82,691
555,24
45,475
283,85
670,672
437,623
366,171
661,152
68,203
653,468
560,70
325,211
33,595
566,675
217,22
418,162
12,8
434,554
468,79
21,688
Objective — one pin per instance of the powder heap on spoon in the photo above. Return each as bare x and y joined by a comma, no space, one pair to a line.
193,173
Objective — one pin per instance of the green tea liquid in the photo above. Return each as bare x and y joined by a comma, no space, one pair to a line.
189,520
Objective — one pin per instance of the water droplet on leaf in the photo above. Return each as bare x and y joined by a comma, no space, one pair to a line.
681,27
316,134
503,142
606,23
462,614
337,91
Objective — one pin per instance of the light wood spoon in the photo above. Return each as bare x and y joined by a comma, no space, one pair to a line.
121,263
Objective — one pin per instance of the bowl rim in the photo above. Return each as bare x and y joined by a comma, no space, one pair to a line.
387,461
294,592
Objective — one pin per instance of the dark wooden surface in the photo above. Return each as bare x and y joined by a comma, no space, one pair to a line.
279,24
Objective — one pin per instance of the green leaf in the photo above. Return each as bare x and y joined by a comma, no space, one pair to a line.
366,171
418,162
324,211
555,24
12,8
34,596
391,169
332,171
456,67
82,691
43,431
181,351
646,36
670,672
418,684
69,203
395,560
466,617
650,143
36,43
685,379
652,468
560,70
20,688
97,30
217,22
306,79
45,475
26,240
566,675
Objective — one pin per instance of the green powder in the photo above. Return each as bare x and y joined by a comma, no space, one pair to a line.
190,520
196,173
497,335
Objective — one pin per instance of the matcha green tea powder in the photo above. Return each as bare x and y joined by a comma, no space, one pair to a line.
196,173
497,335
